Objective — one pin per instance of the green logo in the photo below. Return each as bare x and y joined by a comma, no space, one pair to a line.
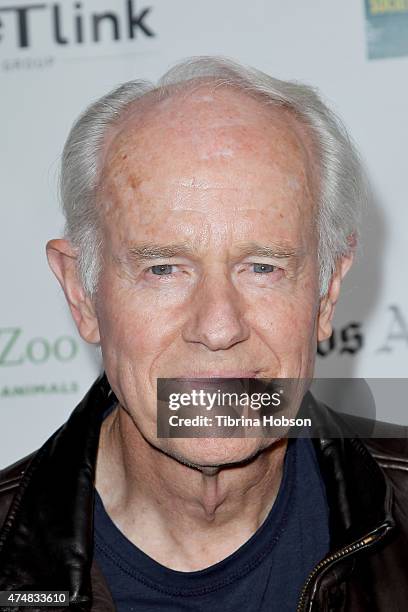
15,350
49,388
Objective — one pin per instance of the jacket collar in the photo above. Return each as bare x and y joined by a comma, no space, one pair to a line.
358,493
47,539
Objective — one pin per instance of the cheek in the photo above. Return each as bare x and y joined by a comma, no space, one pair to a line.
288,323
132,328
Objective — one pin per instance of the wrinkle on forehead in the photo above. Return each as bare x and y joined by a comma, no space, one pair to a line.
194,183
207,129
226,152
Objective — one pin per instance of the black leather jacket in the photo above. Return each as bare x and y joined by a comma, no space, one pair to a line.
46,513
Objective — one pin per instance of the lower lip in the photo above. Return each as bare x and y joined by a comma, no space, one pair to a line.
217,375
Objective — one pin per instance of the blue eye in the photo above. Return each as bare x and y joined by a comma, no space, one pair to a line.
261,268
162,269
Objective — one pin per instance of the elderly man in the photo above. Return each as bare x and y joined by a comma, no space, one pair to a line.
210,222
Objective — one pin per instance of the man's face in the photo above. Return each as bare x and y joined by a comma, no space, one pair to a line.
209,255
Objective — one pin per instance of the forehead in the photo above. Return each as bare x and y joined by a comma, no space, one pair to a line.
204,146
203,122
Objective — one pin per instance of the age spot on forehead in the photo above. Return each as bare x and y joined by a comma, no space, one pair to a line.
134,182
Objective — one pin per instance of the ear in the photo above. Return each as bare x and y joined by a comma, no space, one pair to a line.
328,301
62,258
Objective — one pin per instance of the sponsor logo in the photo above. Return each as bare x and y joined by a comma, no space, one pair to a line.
350,339
49,388
397,330
59,27
387,28
16,350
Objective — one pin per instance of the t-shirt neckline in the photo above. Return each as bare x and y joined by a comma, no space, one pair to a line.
134,562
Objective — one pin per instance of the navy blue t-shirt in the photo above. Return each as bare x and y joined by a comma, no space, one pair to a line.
266,573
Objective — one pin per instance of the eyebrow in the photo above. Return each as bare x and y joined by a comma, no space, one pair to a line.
148,251
275,250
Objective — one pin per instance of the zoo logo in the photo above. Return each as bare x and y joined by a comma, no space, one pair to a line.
14,351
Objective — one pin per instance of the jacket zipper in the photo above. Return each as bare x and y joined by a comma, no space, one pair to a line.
365,542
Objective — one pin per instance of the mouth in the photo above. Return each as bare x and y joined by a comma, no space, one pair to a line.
209,380
219,374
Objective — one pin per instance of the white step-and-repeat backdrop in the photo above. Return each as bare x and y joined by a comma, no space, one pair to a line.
55,57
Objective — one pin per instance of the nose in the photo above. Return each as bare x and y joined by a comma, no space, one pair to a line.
217,314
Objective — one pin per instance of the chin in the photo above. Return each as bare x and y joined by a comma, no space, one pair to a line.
215,452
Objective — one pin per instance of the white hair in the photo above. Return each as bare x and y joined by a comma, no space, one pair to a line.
342,181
